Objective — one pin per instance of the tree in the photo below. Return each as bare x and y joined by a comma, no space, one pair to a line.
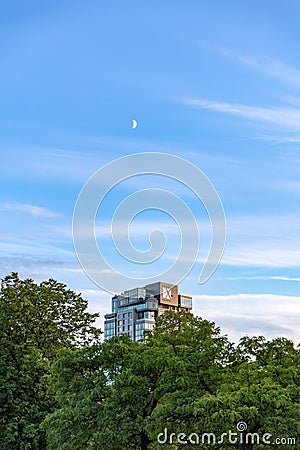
36,321
84,383
262,391
130,388
186,378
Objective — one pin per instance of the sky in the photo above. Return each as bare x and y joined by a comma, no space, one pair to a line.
216,83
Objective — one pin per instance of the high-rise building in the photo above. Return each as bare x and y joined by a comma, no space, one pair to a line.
136,310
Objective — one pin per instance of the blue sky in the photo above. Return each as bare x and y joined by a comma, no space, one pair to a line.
216,84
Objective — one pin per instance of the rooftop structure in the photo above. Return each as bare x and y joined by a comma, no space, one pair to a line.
136,310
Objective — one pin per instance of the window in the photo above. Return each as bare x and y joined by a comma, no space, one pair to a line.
140,326
152,305
185,301
149,315
123,301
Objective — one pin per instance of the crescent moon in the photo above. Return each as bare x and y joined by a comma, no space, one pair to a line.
134,124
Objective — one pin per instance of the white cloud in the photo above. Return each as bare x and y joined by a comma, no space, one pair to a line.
99,302
239,314
32,248
279,139
258,253
33,210
284,117
271,277
269,66
50,163
265,241
252,240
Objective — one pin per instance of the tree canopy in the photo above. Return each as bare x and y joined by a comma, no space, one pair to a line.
186,386
36,321
186,379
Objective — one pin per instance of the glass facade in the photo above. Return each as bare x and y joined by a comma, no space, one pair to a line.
136,310
185,301
140,328
109,329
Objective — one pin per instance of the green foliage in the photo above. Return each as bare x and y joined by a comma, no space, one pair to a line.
84,384
61,388
186,377
36,321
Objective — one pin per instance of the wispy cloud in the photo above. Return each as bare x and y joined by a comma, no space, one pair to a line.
252,240
239,314
284,117
279,139
33,210
271,277
33,266
263,240
263,63
269,66
49,163
257,253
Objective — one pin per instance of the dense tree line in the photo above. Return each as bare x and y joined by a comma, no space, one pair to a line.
36,322
62,388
